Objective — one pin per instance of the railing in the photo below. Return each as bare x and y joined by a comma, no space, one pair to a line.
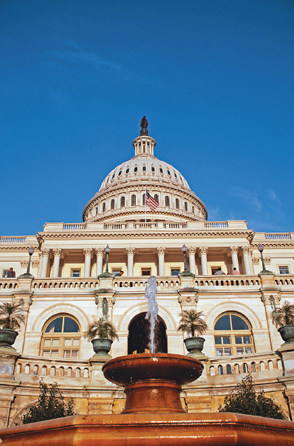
278,236
227,281
216,224
115,226
8,284
140,282
284,279
74,226
14,239
68,283
175,225
252,363
57,368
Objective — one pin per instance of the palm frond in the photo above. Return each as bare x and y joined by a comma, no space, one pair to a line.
11,315
101,328
284,315
191,322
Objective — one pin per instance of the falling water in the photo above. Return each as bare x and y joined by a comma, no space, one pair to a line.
150,291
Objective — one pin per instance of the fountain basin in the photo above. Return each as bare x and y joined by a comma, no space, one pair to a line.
152,381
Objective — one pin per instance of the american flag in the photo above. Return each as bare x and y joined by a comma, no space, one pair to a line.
151,202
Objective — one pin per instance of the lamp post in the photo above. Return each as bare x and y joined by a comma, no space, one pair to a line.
27,274
264,270
184,251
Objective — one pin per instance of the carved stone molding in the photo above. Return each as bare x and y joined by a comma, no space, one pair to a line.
161,251
88,251
255,260
234,250
267,260
203,250
246,249
130,251
24,263
57,252
99,251
192,250
45,252
35,263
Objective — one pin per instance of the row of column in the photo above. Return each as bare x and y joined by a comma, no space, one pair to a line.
130,262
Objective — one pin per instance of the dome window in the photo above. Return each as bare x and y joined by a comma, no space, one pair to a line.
113,175
133,200
119,173
193,209
168,172
104,207
122,202
144,200
177,203
175,174
186,206
152,169
127,171
136,169
160,170
144,168
156,197
112,204
166,201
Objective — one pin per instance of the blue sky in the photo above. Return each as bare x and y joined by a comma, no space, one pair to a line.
214,78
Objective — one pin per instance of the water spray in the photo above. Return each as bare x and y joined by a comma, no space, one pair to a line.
150,292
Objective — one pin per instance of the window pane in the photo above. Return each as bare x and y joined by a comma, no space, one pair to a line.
76,342
47,342
246,340
227,352
75,354
238,340
229,369
70,326
46,353
67,342
54,326
55,342
240,350
54,353
238,323
248,350
226,340
223,323
66,353
175,272
218,340
219,352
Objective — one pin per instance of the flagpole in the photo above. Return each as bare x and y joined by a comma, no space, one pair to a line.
145,202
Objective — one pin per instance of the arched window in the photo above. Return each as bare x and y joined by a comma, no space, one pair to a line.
112,204
233,335
144,168
166,200
119,173
122,202
177,203
152,169
127,171
61,337
168,172
135,169
186,206
104,207
139,335
156,197
133,200
160,170
143,199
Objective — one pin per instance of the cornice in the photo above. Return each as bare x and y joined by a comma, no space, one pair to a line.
278,244
18,248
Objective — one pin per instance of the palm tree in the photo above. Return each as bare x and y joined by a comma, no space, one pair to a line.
191,322
11,315
101,328
284,315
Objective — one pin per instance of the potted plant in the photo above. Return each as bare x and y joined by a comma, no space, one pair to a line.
11,316
192,323
101,333
283,319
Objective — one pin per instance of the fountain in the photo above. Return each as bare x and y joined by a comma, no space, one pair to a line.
153,413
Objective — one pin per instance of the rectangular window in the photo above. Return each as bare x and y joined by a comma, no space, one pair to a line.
75,273
5,273
214,269
146,272
116,272
175,271
283,270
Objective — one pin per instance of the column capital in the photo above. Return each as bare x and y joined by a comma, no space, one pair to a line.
203,250
57,252
88,251
161,250
246,249
192,250
130,251
45,252
99,251
234,249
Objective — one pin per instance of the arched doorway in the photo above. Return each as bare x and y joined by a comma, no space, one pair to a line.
139,333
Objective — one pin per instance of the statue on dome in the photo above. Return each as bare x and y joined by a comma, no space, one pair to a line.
144,125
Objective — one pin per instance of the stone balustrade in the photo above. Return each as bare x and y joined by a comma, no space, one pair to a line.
284,280
227,281
65,283
254,363
8,284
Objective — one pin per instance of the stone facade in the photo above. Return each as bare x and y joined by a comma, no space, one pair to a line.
69,258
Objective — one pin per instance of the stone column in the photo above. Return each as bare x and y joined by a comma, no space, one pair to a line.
57,254
246,251
44,267
234,254
192,264
203,252
271,301
99,262
87,267
161,252
130,252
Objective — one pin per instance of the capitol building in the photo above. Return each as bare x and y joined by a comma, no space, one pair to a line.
68,287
